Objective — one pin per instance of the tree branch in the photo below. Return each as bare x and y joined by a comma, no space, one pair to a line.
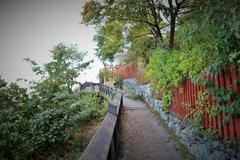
142,35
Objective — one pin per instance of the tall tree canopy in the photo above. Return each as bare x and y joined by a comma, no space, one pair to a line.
109,40
66,66
146,21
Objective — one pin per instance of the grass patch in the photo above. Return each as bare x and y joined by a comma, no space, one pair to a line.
181,147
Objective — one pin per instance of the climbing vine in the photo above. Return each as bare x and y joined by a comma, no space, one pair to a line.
196,120
227,101
167,100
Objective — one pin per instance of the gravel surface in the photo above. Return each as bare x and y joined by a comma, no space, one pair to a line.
143,137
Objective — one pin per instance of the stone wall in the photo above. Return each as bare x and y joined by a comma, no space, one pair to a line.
201,148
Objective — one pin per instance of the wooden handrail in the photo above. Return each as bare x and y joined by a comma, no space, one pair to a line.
103,145
99,146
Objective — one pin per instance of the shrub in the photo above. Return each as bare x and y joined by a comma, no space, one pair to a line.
164,70
208,40
48,128
167,100
33,124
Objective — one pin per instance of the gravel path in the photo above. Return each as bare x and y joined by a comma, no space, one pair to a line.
143,137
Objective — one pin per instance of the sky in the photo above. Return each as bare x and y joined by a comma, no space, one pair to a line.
30,29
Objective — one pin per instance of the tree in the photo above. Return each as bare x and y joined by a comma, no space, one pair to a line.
172,11
63,69
147,21
141,42
109,40
34,124
135,13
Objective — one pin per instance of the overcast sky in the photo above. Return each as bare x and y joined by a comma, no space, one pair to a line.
30,28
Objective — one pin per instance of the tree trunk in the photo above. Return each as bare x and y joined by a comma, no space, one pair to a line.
172,31
159,35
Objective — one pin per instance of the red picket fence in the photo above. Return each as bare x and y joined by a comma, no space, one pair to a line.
131,71
127,71
187,94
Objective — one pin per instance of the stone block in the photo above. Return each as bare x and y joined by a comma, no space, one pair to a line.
184,135
177,130
215,144
170,125
218,155
203,151
194,150
238,155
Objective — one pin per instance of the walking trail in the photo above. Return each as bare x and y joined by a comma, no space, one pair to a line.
143,137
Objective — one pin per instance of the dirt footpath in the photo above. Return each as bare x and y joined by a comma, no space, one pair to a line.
143,137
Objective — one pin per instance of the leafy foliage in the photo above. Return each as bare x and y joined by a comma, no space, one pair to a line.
48,128
212,29
108,74
142,23
119,83
63,69
109,40
164,70
167,100
92,12
35,123
13,131
227,101
207,39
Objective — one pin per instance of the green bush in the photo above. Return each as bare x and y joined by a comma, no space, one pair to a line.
36,123
212,30
167,100
208,39
164,70
119,83
89,106
48,128
13,123
30,126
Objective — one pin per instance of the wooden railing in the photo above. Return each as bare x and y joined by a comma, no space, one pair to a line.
108,91
104,145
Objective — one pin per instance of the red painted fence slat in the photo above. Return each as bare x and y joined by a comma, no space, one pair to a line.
231,122
236,90
187,96
219,117
186,102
